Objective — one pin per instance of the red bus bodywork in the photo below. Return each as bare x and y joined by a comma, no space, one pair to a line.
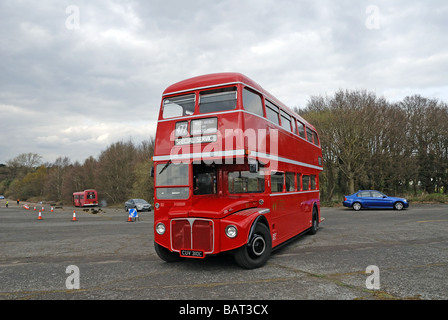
257,162
86,198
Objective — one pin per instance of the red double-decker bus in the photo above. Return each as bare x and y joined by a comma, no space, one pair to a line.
235,171
86,198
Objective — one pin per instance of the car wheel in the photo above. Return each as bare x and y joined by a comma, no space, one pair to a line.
126,209
398,206
257,252
357,206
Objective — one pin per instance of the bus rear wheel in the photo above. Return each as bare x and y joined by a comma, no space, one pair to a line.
165,254
314,222
257,252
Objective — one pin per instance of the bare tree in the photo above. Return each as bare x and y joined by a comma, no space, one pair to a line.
116,171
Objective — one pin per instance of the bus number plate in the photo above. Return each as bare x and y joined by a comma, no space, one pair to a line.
194,140
192,254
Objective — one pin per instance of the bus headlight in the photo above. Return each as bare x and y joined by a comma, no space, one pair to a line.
231,231
160,228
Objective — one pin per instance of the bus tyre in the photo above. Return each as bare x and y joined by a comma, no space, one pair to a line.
314,222
165,254
257,251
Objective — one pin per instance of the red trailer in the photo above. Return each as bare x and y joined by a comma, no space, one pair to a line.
86,198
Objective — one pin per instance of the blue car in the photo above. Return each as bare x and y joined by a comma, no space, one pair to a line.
372,199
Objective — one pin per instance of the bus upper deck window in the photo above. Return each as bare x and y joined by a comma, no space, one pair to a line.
252,102
286,121
217,100
178,106
315,138
301,129
272,112
309,135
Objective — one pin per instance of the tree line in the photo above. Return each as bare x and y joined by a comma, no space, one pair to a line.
400,148
122,171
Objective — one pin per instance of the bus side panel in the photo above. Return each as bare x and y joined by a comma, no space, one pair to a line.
265,137
290,218
291,215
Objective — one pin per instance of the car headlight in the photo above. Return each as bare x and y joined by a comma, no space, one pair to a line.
160,228
231,231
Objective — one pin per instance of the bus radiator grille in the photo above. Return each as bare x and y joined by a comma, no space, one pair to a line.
194,234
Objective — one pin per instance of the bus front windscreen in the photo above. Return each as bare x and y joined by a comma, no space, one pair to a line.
172,181
178,106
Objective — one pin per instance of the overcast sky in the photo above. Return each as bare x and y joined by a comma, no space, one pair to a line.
76,76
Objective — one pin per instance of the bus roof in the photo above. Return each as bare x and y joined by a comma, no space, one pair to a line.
226,78
211,80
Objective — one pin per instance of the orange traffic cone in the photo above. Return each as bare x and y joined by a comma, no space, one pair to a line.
130,219
51,209
40,216
74,216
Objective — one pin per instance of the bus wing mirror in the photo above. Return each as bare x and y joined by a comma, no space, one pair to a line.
152,172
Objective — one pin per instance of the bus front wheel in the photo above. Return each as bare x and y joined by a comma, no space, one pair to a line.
165,254
257,252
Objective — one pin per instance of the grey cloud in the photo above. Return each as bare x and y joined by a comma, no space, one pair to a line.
113,69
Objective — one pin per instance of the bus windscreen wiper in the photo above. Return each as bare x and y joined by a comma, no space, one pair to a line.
166,166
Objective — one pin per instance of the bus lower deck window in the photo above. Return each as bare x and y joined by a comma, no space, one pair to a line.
245,182
277,181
